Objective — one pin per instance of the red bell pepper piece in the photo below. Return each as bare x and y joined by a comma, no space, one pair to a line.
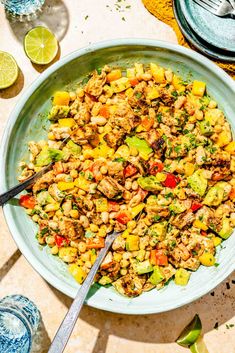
58,168
129,170
195,206
123,217
60,241
95,243
27,201
134,81
155,167
171,181
113,206
161,258
147,123
203,233
104,111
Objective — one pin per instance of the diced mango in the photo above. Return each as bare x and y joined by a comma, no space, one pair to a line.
77,272
182,277
224,138
88,153
114,75
101,205
120,85
132,242
129,92
61,98
207,259
158,73
199,88
103,150
67,122
230,148
217,241
189,168
82,183
137,209
152,93
125,234
63,185
68,254
177,83
198,224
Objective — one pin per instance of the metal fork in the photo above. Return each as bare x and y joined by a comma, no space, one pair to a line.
219,8
62,336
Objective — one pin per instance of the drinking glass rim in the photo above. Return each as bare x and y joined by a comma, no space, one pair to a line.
22,319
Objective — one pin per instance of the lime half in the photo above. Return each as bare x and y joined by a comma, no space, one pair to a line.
8,70
191,332
199,346
40,45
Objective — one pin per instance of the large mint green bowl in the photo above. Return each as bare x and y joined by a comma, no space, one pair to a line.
26,123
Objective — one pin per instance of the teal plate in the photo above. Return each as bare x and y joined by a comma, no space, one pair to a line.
27,122
197,41
217,31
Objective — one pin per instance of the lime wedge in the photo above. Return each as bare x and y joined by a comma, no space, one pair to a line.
40,45
191,332
8,70
199,346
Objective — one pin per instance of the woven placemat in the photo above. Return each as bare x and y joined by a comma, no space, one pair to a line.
163,10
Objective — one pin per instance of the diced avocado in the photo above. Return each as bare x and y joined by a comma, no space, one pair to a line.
55,154
205,128
141,145
105,280
74,148
143,267
226,230
47,155
158,230
43,158
197,182
149,183
58,112
132,242
157,276
182,277
44,198
177,206
216,194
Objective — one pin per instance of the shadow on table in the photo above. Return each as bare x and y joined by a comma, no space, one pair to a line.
54,15
41,341
9,264
215,307
15,89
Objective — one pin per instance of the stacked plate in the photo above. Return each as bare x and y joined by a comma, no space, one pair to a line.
212,35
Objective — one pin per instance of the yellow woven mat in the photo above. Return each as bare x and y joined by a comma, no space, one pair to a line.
163,10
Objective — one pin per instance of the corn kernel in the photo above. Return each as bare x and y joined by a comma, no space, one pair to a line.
117,257
131,225
62,185
129,92
74,214
102,233
54,250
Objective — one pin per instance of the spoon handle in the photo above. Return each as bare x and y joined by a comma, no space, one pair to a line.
61,338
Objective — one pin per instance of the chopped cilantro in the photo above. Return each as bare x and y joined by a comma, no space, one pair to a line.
156,218
216,264
120,159
44,231
86,17
159,117
175,94
138,95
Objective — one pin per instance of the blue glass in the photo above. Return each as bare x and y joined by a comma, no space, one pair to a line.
22,7
19,320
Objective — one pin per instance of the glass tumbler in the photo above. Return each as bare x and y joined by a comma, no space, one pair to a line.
19,320
22,9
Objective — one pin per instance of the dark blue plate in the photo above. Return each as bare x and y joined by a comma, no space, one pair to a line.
198,42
